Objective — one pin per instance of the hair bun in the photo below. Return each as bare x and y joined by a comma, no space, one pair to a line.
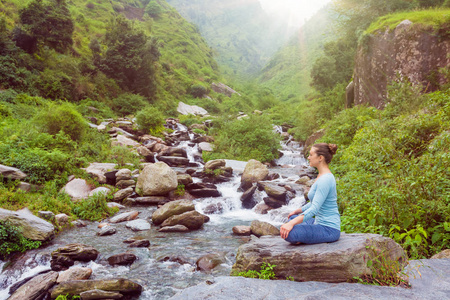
333,148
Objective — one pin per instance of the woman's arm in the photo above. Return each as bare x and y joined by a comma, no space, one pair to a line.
286,228
295,212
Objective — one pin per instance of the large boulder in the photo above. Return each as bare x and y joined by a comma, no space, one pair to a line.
77,189
75,273
215,164
223,89
64,257
11,173
260,228
186,109
36,288
254,171
171,209
156,180
32,227
273,190
340,261
76,287
209,261
191,219
122,259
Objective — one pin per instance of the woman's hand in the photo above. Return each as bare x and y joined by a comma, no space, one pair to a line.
285,229
295,212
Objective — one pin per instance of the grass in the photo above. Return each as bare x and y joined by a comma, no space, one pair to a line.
434,18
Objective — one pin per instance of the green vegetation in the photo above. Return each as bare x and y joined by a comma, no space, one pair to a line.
150,120
266,272
68,297
11,240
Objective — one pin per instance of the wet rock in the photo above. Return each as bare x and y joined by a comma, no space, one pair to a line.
191,219
11,173
176,228
123,259
100,190
173,151
273,203
99,170
174,161
203,139
76,287
36,288
139,244
77,189
75,273
146,201
184,179
156,180
259,228
272,176
242,230
122,194
215,164
100,294
107,230
145,152
262,208
209,261
303,180
273,190
340,261
123,174
64,257
138,225
177,259
33,228
122,184
213,208
247,197
205,192
126,216
254,171
170,209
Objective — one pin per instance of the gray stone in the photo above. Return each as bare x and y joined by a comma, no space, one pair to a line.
156,180
209,261
122,140
259,228
107,230
98,170
126,216
11,173
146,201
176,228
184,179
138,225
186,109
100,294
32,227
170,209
122,194
215,164
303,180
123,184
77,189
223,89
76,287
254,171
340,261
274,190
123,174
174,160
48,215
247,197
36,287
64,257
114,204
442,254
122,259
75,273
204,146
139,244
191,219
100,190
62,219
242,230
262,208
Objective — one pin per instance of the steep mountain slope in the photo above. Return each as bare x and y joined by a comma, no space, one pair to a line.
288,72
243,35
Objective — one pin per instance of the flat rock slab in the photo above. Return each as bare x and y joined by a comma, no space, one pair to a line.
434,284
327,262
33,228
36,287
126,216
138,225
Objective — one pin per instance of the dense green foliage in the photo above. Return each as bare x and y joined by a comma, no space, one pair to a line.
150,120
12,240
266,272
393,169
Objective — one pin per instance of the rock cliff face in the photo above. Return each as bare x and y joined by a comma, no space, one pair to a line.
408,51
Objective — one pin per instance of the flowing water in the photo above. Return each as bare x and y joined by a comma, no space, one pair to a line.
162,278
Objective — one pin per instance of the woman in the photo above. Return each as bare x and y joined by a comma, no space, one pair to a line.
326,227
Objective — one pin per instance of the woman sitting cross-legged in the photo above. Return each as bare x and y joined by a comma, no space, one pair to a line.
326,227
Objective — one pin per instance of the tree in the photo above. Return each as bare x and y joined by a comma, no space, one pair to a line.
129,58
49,24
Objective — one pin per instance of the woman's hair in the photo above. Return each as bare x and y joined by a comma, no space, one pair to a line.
327,150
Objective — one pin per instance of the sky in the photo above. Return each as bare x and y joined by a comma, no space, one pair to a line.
296,11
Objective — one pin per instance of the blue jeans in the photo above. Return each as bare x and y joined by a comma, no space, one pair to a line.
309,233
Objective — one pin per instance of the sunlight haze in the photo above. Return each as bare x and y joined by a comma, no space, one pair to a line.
297,11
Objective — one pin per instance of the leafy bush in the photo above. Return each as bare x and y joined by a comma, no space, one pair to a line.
64,117
127,104
94,208
266,272
150,118
12,240
249,138
198,90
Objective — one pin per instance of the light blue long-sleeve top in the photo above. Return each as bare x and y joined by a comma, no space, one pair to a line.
323,202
